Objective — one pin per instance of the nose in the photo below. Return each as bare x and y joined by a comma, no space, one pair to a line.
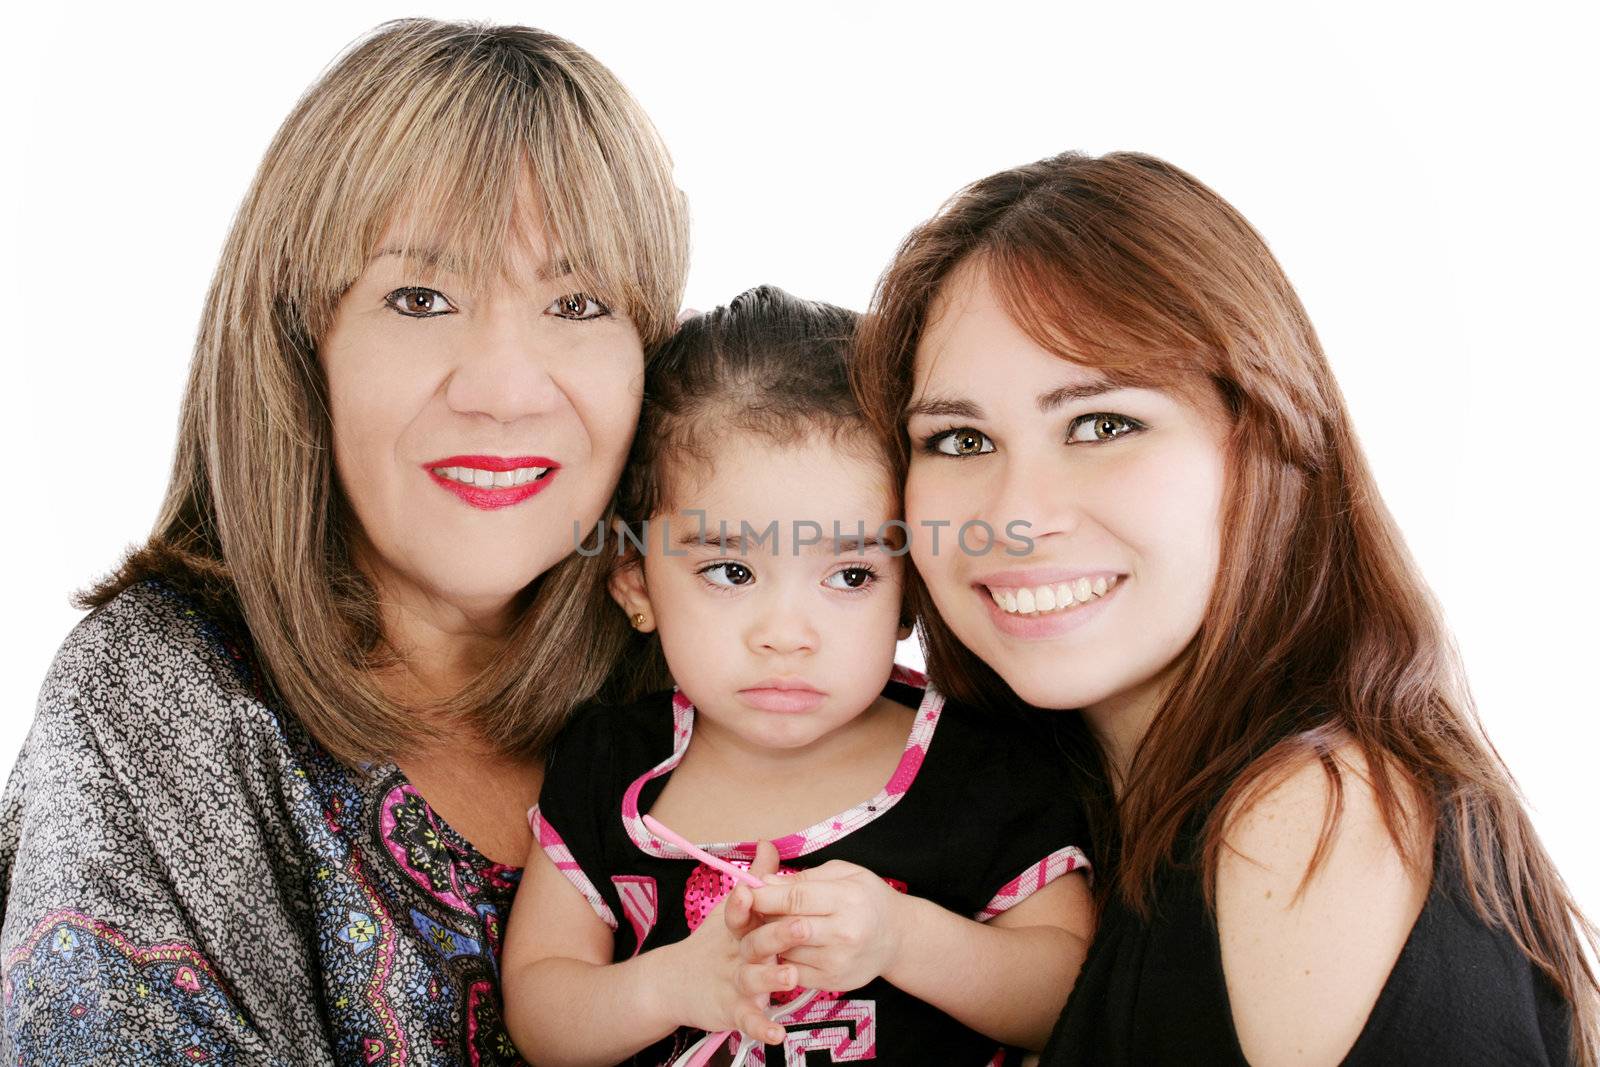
1034,496
781,626
503,369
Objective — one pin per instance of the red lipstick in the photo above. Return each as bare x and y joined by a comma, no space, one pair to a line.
490,498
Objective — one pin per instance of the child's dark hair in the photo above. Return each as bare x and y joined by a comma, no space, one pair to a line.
767,363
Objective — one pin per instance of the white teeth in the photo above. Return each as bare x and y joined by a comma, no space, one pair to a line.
490,479
1046,598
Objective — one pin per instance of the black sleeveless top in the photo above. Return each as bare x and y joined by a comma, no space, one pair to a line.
1152,992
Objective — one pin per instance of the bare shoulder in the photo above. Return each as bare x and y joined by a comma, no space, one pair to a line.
1305,958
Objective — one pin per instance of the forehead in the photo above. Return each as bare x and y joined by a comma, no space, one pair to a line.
972,345
749,477
434,239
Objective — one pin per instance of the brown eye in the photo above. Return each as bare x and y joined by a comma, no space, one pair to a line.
728,574
963,441
1101,426
578,307
849,578
418,302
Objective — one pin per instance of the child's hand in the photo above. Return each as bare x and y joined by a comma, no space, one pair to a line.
715,988
838,925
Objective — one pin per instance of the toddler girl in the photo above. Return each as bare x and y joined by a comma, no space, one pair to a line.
913,910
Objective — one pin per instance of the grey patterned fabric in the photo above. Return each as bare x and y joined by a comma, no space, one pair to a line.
188,878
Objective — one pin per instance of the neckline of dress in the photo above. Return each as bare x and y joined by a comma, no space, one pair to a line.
819,834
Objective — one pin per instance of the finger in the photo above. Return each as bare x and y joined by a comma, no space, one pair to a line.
810,977
813,957
822,932
794,897
823,872
774,939
758,979
755,1025
766,861
738,913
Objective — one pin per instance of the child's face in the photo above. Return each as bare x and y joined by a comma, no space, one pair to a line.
1121,489
782,642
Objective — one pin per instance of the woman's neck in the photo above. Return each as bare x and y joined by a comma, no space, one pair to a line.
439,645
1120,722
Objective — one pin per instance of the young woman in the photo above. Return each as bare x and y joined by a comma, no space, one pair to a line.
273,803
1308,851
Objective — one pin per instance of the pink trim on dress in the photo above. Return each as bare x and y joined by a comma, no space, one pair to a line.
812,837
1035,878
640,904
561,856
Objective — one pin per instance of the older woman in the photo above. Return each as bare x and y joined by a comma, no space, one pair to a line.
270,808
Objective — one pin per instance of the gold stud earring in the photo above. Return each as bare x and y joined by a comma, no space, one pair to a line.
638,620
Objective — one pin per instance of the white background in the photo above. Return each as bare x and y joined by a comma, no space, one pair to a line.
1425,173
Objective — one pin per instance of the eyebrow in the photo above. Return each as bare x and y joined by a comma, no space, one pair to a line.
431,256
955,407
1067,394
735,544
561,267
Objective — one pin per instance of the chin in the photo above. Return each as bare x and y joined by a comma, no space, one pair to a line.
488,590
1055,683
1051,694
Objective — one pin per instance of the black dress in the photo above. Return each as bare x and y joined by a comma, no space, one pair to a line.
1152,992
973,819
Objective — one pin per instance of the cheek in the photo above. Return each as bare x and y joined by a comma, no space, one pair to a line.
691,620
370,411
1169,510
930,499
604,386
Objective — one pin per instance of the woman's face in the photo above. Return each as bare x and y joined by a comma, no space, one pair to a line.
474,426
1119,489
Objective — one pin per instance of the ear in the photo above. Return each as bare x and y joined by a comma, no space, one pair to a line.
626,586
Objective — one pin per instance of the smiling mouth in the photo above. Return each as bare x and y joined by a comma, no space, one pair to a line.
485,479
1051,599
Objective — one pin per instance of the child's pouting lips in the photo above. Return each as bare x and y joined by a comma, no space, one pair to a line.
783,695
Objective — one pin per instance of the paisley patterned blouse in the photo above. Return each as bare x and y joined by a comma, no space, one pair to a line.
188,878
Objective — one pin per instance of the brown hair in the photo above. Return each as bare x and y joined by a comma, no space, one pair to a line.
767,363
1319,628
420,122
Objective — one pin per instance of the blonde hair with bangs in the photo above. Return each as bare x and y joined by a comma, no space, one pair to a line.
465,129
